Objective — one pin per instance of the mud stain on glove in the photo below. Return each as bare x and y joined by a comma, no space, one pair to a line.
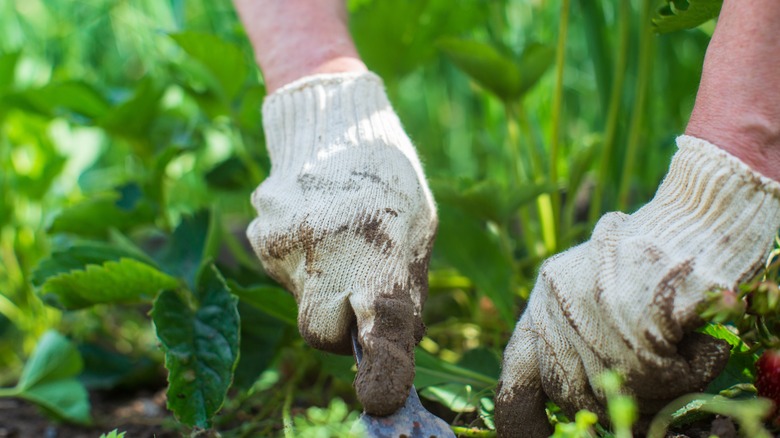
386,373
369,226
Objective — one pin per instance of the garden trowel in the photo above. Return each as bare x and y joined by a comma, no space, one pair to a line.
411,421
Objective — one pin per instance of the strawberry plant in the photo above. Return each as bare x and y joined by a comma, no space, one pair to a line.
130,141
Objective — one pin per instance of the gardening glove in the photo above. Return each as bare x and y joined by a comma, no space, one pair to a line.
627,299
346,223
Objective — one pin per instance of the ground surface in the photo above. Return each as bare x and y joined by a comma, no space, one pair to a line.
141,415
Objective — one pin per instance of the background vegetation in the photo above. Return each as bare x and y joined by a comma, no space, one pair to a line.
131,138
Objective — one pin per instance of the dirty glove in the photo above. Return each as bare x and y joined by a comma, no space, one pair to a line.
627,299
346,223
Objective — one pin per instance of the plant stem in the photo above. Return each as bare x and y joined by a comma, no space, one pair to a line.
637,119
472,432
518,175
560,61
289,432
9,392
610,130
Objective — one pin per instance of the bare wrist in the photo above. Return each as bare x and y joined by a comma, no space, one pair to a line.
297,38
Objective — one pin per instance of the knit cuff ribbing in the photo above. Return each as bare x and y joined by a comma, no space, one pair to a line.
328,112
711,200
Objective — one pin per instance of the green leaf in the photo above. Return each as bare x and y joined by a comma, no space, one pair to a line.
222,60
230,174
107,369
395,36
488,199
468,245
534,62
64,399
48,379
431,371
272,300
200,337
123,281
685,14
134,117
74,97
8,62
185,251
498,73
113,434
261,338
76,257
123,210
486,65
55,358
455,396
741,365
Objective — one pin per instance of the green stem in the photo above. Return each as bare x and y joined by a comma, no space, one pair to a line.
637,120
560,63
471,432
610,130
9,392
518,175
289,432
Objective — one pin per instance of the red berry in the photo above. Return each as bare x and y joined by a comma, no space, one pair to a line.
768,380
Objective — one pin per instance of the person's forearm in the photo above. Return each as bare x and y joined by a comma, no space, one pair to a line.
297,38
738,103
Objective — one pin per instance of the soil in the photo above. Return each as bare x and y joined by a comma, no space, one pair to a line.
141,415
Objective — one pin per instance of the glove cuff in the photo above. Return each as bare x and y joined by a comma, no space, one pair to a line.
711,202
322,114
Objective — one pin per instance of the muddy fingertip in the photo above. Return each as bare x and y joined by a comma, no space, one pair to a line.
384,379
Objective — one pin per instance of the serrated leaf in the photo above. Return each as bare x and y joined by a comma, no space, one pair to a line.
200,340
48,379
123,281
223,61
77,257
685,14
272,300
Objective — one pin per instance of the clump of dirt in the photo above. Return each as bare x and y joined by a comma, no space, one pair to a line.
141,415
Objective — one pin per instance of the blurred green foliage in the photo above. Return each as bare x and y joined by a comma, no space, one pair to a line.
131,139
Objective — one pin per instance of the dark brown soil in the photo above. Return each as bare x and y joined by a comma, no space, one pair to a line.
141,415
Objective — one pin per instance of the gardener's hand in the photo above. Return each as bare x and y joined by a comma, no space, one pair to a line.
346,223
627,299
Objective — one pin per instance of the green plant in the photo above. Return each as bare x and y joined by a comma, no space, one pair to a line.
49,380
129,148
113,434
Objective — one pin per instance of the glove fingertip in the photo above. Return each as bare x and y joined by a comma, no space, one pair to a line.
521,412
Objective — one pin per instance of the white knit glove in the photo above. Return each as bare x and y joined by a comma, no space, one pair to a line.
627,299
346,223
